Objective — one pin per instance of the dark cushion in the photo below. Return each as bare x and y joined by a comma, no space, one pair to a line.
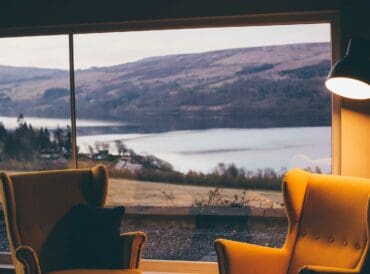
87,237
95,238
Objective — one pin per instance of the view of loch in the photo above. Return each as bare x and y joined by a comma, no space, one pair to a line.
251,149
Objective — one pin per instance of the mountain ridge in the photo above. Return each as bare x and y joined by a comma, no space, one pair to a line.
243,87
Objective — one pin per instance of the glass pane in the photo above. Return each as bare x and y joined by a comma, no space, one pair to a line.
34,106
197,127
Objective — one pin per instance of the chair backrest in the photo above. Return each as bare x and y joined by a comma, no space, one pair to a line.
332,224
34,202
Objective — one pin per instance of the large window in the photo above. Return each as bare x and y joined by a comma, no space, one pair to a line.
35,132
201,124
196,126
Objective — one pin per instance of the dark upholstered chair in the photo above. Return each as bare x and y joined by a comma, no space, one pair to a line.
328,230
34,202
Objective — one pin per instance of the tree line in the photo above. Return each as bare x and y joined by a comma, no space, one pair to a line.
28,144
222,176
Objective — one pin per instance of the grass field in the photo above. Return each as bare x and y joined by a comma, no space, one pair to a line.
142,193
134,193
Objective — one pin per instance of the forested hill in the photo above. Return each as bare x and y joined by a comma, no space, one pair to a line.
245,87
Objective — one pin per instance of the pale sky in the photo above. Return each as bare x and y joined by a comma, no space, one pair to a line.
107,49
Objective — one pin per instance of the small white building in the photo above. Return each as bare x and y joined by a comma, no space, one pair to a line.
123,164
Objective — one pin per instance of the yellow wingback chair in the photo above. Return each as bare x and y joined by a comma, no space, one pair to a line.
34,202
328,230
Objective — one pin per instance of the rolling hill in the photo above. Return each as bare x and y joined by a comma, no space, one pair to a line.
246,87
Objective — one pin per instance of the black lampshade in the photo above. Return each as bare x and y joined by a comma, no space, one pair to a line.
350,76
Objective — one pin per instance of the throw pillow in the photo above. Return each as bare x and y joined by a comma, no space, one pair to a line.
95,237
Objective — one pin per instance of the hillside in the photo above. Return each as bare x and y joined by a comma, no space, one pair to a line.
246,87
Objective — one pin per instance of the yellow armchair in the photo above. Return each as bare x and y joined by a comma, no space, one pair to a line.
33,204
328,230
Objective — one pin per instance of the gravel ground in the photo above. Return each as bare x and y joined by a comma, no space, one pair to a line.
4,246
169,240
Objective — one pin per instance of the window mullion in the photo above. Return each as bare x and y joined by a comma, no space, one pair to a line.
72,101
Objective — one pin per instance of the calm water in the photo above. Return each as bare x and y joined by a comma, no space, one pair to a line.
202,150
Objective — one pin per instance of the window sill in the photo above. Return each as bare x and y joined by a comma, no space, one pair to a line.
148,266
164,266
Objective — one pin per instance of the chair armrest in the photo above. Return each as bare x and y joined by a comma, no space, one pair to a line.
28,258
314,269
132,243
240,258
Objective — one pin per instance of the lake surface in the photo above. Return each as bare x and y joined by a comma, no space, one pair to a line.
202,150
